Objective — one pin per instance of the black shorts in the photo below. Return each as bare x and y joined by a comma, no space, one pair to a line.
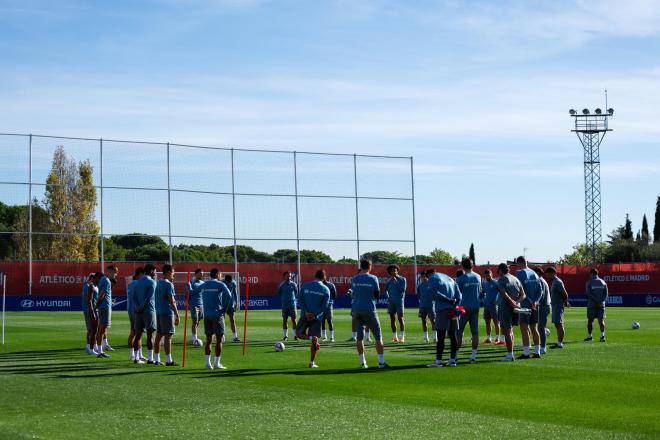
310,328
214,325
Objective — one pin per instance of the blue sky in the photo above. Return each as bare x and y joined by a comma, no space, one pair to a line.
477,92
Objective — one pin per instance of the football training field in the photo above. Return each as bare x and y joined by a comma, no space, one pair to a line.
49,387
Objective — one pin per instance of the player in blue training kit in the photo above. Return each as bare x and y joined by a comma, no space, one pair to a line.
90,293
217,299
288,292
426,304
489,287
470,286
328,314
596,300
167,315
231,311
559,299
447,296
511,293
366,292
104,307
395,291
529,322
314,299
544,309
195,305
144,307
130,308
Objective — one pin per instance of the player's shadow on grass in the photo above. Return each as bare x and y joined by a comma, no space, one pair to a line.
50,368
64,353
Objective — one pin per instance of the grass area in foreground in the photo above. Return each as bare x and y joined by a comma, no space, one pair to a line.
49,388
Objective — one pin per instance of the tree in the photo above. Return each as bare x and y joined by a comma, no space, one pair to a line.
581,254
472,257
627,229
440,257
656,226
347,260
383,257
84,211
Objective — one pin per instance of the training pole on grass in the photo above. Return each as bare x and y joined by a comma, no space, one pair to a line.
3,278
185,324
245,316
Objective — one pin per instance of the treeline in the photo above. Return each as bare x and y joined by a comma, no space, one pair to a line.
623,245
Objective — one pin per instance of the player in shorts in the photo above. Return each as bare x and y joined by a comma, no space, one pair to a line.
559,300
89,295
511,293
314,299
529,322
544,309
167,315
144,317
395,291
470,286
366,292
195,305
426,304
328,313
596,300
231,310
104,307
288,292
489,287
447,296
217,299
130,308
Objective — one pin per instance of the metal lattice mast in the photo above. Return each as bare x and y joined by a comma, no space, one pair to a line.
590,129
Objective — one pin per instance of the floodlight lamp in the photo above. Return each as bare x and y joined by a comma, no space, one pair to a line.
572,112
585,111
598,111
610,111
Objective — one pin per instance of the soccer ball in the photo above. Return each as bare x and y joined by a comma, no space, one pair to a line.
547,331
197,343
279,346
635,325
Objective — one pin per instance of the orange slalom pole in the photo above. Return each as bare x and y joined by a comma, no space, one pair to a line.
185,325
245,318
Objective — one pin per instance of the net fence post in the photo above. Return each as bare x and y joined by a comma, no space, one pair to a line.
30,216
102,260
233,213
169,205
412,188
295,182
357,215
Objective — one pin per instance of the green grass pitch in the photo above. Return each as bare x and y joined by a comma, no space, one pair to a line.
49,388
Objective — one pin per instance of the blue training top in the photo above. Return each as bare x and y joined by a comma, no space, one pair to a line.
470,286
365,292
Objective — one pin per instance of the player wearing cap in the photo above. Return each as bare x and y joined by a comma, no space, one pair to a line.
596,300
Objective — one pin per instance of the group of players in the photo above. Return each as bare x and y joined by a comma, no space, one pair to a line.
448,304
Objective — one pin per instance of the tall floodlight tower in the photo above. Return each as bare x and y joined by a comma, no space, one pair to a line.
590,129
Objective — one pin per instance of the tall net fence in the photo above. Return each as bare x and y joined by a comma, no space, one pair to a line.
75,200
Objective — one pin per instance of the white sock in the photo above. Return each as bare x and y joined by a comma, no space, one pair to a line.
99,349
324,334
602,334
286,332
235,335
354,335
426,335
537,349
395,335
194,336
332,334
151,355
526,350
500,338
403,335
87,347
474,354
381,358
208,359
131,352
217,360
362,359
367,333
140,353
157,357
590,335
509,355
169,357
560,344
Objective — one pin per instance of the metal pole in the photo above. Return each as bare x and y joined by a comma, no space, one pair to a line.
233,207
4,292
412,186
101,181
295,180
357,215
30,217
169,203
